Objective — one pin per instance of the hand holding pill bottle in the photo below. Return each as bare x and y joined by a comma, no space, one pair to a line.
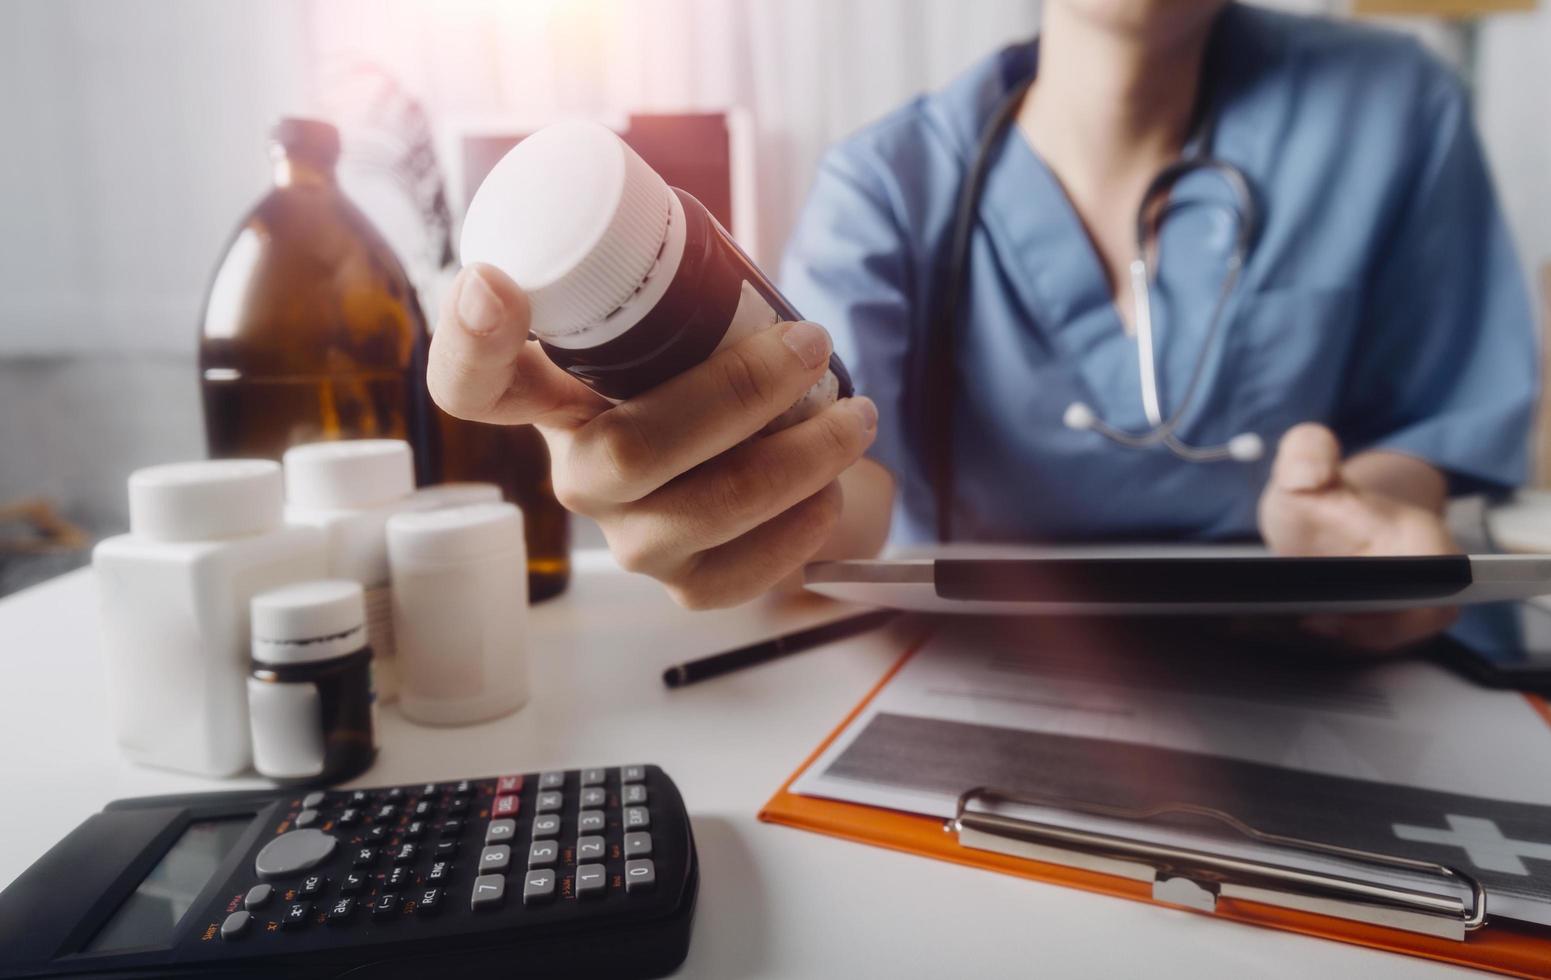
714,436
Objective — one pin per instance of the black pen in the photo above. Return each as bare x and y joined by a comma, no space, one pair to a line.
757,653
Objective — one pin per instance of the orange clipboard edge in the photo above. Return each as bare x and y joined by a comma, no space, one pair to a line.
1511,948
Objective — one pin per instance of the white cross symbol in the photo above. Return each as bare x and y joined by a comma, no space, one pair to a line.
1484,845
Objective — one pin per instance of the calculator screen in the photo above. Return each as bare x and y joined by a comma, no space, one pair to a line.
151,913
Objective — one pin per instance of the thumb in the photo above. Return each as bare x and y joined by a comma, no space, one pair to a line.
484,368
1308,459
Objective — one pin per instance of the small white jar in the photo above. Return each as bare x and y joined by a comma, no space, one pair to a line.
203,539
460,612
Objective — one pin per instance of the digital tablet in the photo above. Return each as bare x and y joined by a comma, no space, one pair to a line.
1153,584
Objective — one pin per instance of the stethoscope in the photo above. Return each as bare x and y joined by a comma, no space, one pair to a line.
940,348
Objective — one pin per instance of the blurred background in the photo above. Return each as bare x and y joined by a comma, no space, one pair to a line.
136,141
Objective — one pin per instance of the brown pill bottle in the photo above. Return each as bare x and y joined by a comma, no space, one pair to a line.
630,281
311,701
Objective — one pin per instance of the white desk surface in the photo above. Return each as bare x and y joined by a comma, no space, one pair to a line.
774,901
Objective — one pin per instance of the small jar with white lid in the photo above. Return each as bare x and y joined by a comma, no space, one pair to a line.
310,699
348,489
629,281
460,612
204,538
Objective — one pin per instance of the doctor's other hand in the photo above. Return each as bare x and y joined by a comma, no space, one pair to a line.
681,491
1375,503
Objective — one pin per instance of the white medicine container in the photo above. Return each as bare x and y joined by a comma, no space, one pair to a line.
204,538
348,490
460,612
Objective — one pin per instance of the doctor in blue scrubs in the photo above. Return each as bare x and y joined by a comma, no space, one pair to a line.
1374,340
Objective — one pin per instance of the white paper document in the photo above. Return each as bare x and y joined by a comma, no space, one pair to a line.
1394,756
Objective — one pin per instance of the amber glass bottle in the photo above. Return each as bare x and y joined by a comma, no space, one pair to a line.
313,331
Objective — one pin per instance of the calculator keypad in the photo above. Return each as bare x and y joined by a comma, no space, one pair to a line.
547,825
258,896
236,925
500,831
538,887
297,915
430,901
640,875
495,858
591,879
401,855
489,892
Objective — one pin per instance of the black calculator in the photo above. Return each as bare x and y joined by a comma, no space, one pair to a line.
566,873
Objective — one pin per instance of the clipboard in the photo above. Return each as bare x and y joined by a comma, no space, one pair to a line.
1124,868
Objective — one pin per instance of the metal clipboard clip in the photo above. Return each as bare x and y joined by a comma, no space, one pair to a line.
1198,879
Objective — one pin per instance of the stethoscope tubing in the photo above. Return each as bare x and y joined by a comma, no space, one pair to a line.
941,353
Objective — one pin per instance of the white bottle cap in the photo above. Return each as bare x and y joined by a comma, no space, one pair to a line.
206,501
454,534
351,474
576,218
309,621
441,495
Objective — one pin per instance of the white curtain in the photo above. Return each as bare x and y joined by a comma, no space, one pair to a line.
812,71
136,128
809,71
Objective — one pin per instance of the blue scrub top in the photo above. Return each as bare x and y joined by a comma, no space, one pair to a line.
1382,296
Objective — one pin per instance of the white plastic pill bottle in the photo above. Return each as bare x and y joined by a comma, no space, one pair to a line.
203,539
348,489
462,637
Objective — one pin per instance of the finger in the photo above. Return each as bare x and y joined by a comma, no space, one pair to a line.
749,566
1330,523
748,485
1382,632
1308,458
627,452
484,368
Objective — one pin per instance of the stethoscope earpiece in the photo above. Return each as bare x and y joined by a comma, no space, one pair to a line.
940,356
1079,416
1243,448
1246,447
